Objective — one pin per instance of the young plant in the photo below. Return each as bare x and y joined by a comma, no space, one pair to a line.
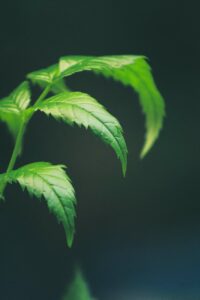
42,179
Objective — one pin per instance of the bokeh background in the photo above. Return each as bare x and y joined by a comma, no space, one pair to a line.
138,237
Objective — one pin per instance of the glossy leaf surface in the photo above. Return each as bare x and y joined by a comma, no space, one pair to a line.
43,179
80,108
130,70
12,106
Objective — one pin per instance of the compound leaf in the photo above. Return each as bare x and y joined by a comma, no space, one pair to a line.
11,107
43,179
82,109
130,70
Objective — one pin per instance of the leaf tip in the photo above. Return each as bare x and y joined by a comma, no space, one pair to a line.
147,147
150,139
123,159
124,169
70,239
143,153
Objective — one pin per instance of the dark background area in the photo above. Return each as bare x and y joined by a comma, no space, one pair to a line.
135,236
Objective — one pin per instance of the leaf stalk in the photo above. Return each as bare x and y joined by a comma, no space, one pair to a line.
19,140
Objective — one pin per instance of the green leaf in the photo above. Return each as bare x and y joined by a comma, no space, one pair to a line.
84,110
59,86
42,179
49,76
78,289
11,107
130,70
69,65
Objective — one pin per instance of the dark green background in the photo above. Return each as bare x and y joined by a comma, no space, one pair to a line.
140,235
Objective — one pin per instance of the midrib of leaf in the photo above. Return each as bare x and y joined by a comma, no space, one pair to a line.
53,176
56,194
90,113
120,75
111,134
49,185
145,87
154,115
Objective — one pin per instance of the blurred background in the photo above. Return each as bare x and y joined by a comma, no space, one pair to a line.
138,237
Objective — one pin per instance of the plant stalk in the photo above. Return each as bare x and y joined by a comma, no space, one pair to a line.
17,147
19,140
43,94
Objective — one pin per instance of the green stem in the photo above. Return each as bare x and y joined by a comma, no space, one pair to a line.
17,147
43,94
19,139
14,156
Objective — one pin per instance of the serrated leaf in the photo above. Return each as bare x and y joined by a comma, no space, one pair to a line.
43,179
69,65
11,107
80,108
78,289
48,76
130,70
